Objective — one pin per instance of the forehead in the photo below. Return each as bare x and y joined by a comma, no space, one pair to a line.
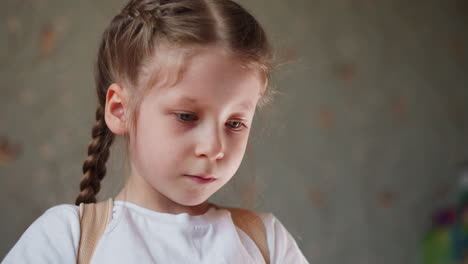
212,75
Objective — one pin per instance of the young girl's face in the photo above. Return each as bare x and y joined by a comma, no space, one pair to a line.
200,127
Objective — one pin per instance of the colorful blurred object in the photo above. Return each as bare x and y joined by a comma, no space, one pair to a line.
447,241
437,245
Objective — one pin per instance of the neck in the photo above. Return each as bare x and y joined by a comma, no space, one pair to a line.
139,192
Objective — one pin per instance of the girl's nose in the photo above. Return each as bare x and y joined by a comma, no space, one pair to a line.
210,145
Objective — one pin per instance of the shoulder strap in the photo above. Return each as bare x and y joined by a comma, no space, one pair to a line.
253,226
94,218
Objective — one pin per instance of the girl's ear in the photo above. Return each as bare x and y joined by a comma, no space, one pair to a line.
116,101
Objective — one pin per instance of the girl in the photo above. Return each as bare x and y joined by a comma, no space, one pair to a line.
181,81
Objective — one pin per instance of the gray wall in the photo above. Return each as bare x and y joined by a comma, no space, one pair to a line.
353,157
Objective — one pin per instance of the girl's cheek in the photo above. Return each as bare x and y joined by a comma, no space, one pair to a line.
181,128
236,143
169,122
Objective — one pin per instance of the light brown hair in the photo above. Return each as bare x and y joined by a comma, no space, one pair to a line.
145,29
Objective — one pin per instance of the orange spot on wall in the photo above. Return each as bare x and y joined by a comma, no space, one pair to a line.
8,151
47,39
46,151
386,199
453,114
345,72
400,109
13,24
317,198
327,119
456,45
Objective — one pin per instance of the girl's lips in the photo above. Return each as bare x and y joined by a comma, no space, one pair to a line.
200,179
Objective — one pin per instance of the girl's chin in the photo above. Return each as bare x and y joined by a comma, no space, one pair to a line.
195,207
193,202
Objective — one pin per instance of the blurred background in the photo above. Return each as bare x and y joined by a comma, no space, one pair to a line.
362,156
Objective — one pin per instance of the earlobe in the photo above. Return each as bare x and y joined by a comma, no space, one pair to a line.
115,109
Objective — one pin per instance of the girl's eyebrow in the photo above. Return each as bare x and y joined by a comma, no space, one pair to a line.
185,99
188,100
246,104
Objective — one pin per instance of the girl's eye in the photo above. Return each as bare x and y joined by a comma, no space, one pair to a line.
236,125
186,117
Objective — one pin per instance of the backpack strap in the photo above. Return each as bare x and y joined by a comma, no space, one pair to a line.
94,218
253,226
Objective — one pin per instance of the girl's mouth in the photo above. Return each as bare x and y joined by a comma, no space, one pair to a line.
200,179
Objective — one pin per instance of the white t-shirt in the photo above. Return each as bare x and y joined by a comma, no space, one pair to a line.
139,235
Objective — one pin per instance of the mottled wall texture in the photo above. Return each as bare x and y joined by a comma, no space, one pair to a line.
359,148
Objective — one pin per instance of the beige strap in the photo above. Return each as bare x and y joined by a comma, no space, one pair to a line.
253,226
94,218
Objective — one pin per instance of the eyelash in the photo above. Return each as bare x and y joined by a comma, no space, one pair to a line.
242,124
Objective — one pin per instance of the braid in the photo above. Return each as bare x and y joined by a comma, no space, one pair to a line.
156,9
94,167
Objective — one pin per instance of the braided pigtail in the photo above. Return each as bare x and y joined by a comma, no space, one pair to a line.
94,167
